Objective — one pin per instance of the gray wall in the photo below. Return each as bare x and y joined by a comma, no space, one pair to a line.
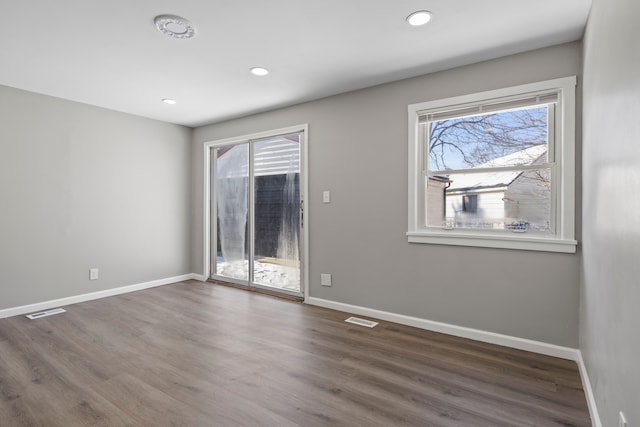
358,150
610,318
85,187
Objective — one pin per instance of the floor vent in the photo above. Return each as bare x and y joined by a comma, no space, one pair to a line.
46,313
361,322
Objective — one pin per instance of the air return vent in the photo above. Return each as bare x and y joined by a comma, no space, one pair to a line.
46,313
361,322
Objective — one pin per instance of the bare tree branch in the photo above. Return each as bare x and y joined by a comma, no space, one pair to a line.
478,139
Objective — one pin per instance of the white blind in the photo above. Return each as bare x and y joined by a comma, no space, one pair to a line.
501,104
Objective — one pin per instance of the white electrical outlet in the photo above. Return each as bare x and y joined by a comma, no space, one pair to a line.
93,274
326,196
325,279
622,420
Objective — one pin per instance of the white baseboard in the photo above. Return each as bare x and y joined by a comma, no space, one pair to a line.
446,328
458,331
45,305
588,391
479,335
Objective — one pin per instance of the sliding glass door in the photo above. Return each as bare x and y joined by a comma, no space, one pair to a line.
277,212
257,213
231,198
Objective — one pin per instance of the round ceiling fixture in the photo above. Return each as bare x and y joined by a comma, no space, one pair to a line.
175,26
419,18
259,71
169,101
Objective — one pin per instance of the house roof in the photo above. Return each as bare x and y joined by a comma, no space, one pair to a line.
486,180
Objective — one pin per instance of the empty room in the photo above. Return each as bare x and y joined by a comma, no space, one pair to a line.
286,213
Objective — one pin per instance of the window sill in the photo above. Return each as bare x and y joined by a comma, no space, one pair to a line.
520,242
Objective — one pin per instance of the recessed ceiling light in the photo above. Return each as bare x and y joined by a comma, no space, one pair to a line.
169,101
259,71
175,26
419,18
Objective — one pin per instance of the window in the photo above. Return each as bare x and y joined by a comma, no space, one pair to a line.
469,203
495,169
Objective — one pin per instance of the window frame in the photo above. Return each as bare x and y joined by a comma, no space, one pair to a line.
561,149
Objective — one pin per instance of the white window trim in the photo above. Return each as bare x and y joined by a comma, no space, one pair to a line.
564,152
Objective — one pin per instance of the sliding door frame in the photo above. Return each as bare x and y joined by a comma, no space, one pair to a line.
208,209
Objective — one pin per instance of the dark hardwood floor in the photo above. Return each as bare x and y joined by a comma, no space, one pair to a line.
201,354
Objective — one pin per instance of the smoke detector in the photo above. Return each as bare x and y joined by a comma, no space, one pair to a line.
175,26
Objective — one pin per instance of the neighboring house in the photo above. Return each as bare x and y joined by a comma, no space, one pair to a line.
435,199
512,199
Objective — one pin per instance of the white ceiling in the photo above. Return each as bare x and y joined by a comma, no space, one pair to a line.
108,52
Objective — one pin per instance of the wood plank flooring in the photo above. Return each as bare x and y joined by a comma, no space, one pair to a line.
201,354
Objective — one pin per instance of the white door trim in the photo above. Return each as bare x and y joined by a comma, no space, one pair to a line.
304,187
